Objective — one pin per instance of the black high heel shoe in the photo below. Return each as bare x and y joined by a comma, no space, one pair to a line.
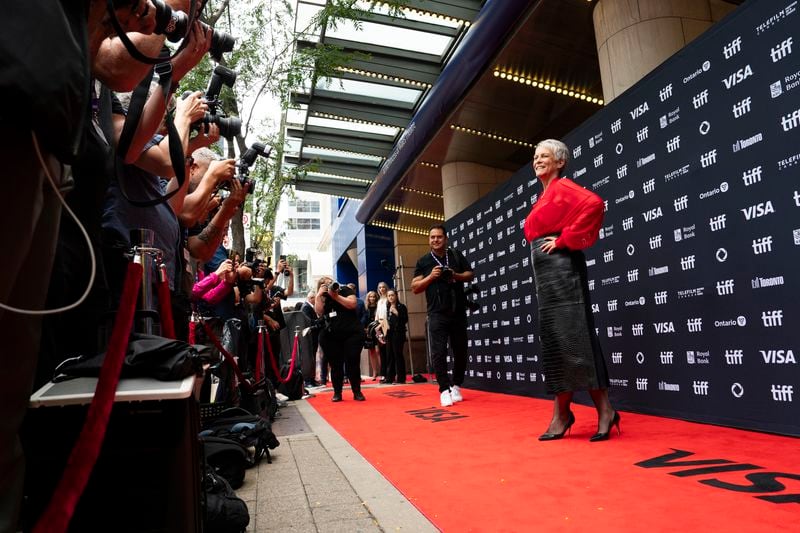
603,435
556,436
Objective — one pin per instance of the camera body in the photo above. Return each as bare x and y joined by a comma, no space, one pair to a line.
246,161
334,286
175,24
447,274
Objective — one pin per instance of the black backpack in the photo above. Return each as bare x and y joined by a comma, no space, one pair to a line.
248,430
224,512
226,457
293,387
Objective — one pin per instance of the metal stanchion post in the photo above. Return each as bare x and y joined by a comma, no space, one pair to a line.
146,254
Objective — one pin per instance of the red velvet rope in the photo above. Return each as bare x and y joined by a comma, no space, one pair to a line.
84,455
164,302
192,332
228,359
274,362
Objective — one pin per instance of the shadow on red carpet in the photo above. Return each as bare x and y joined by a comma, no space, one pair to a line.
477,466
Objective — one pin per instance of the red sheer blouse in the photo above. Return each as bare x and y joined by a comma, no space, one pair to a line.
566,208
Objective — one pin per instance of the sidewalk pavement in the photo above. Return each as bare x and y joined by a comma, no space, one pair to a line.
317,482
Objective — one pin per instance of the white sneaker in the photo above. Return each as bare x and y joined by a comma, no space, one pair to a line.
446,399
455,393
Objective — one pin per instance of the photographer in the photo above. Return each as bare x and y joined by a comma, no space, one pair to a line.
284,276
342,337
442,274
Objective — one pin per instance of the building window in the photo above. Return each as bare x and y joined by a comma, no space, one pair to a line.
305,206
302,223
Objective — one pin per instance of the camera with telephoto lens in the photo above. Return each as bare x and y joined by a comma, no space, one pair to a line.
245,162
229,127
333,286
447,274
174,25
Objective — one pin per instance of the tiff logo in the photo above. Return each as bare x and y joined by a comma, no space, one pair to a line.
642,134
616,126
633,275
666,358
622,171
637,329
717,223
649,186
700,388
782,50
732,48
734,357
681,203
700,99
665,93
598,160
742,107
627,223
661,297
673,144
612,305
797,199
709,158
655,242
752,176
591,284
576,152
725,287
608,256
616,358
791,121
695,325
772,318
605,206
762,245
641,383
687,262
782,393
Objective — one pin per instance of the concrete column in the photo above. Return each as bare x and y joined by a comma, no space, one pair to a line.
464,182
635,36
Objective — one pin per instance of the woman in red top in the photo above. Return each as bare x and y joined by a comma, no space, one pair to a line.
566,219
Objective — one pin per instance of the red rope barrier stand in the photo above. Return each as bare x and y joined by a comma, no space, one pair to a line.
84,455
165,303
274,361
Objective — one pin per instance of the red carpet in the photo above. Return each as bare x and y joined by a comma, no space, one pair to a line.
477,466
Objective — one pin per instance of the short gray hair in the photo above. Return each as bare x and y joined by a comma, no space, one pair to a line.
559,149
204,154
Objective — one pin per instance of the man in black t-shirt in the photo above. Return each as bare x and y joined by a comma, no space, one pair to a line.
442,274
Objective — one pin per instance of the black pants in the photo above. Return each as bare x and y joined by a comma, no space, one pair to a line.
442,329
341,352
384,359
396,364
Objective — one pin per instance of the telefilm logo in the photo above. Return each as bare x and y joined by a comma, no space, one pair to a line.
789,9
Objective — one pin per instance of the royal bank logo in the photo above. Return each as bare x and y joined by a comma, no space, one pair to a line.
709,158
637,329
666,358
700,99
735,78
760,283
641,383
752,176
775,89
717,223
673,144
742,107
694,357
725,287
734,357
684,233
700,388
772,318
627,224
732,48
616,358
790,121
614,331
681,203
687,262
694,325
782,393
652,214
655,242
780,51
633,275
660,297
762,245
662,328
778,357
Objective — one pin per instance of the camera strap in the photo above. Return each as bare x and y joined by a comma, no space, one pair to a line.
446,263
131,48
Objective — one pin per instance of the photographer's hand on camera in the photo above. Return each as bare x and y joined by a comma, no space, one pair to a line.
198,45
205,137
224,268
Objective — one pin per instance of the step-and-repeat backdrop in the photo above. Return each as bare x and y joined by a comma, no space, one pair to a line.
695,281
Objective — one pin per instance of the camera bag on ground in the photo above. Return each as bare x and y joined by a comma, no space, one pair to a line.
227,457
292,388
261,401
224,512
147,356
244,428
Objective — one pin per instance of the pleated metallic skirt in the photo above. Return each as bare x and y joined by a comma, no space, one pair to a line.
571,354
